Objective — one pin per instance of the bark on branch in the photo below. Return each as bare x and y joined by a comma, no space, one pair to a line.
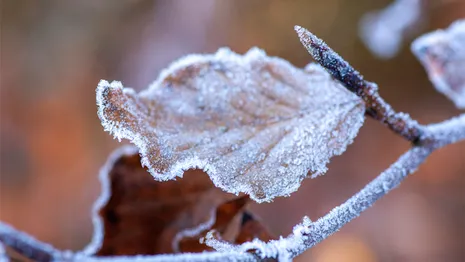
341,70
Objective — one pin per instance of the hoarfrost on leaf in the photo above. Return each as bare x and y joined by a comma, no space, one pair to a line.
442,53
255,124
383,31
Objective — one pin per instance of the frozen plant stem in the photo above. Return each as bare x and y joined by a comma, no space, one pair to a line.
341,70
353,207
26,245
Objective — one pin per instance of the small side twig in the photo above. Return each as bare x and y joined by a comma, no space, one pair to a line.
341,70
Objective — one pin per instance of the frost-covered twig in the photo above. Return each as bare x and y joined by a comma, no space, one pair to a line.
425,140
444,133
341,70
352,208
304,236
26,245
33,249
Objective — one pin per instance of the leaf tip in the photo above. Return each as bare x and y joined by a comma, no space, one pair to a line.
310,41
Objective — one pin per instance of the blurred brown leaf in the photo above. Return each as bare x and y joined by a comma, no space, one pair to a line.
144,216
442,53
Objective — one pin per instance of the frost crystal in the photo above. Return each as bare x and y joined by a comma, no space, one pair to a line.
442,53
254,123
383,31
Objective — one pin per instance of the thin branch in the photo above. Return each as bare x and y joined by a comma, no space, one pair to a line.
33,249
341,70
353,207
182,257
26,245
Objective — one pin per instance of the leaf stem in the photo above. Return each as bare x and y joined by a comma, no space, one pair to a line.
341,70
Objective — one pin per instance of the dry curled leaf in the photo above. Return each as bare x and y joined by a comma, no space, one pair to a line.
244,230
442,53
253,123
252,228
137,215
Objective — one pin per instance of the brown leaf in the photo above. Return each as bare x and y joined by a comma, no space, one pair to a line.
247,229
252,228
442,53
254,123
189,240
141,216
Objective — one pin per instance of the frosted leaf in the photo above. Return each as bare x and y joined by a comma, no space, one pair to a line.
442,53
383,31
254,123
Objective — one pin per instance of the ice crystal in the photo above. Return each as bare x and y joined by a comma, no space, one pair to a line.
255,124
442,53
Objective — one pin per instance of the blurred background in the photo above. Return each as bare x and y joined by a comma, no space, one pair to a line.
53,54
